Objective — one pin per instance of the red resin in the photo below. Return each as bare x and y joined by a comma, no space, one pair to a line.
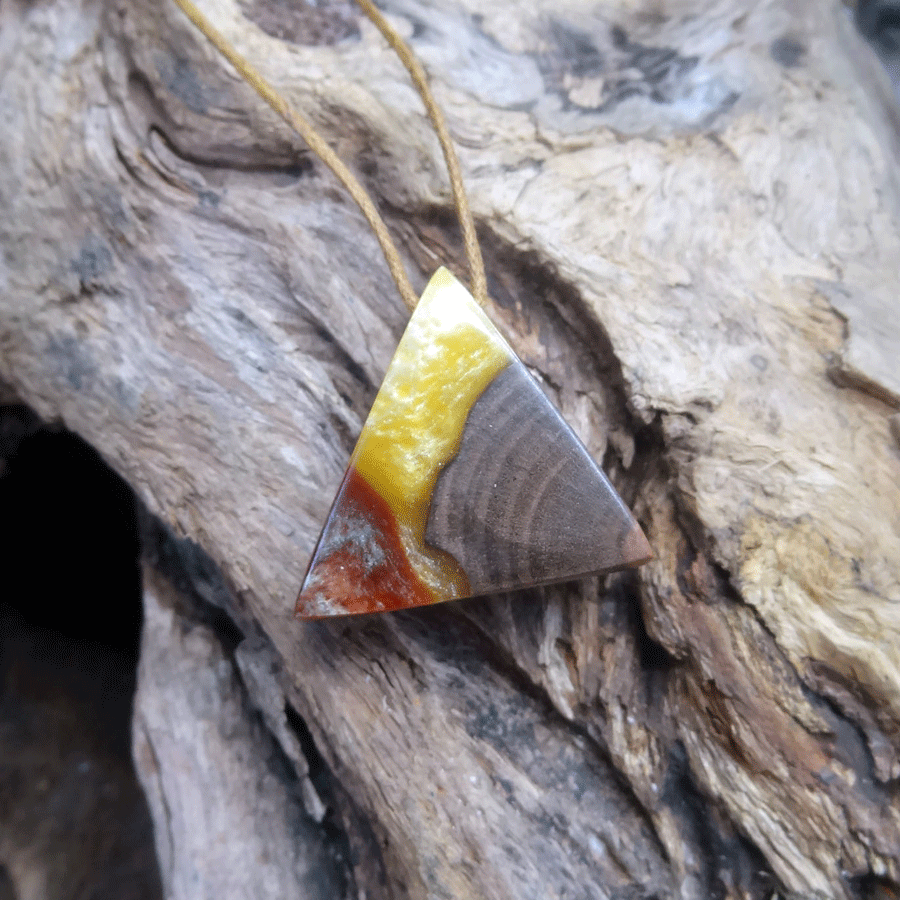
343,575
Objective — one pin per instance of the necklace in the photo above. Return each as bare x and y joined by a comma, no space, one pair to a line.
465,479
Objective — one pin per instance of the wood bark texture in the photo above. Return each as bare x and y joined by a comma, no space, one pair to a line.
691,218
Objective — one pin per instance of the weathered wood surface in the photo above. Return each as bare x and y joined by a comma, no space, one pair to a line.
209,763
692,219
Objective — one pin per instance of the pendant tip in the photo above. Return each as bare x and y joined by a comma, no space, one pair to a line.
311,606
636,548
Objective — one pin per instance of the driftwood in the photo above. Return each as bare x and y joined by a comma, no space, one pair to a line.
692,225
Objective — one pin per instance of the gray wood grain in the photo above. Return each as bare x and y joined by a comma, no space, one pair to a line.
230,813
522,503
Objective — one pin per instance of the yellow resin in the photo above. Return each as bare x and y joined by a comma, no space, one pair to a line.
448,355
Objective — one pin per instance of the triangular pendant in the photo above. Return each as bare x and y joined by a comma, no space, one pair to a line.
465,479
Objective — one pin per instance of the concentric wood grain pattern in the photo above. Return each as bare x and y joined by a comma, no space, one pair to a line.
523,503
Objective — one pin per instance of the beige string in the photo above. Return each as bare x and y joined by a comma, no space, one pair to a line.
477,277
319,146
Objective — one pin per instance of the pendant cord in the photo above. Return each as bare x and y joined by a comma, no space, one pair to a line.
315,142
321,148
478,285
